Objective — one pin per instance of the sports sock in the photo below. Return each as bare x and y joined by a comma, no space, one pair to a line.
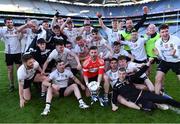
48,105
80,101
106,95
43,94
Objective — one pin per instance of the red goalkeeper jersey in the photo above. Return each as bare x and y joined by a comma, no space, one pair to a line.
93,68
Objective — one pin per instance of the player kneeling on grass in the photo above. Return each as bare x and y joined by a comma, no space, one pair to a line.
57,83
26,74
144,99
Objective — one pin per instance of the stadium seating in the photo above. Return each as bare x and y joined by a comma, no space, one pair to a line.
51,7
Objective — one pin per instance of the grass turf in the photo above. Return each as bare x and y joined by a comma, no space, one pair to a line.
67,110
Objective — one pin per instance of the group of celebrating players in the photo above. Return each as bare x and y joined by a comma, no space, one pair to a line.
60,59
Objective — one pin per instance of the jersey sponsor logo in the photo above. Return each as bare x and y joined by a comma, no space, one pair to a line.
93,69
178,47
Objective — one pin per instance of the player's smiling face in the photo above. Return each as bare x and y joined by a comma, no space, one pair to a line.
87,28
115,24
122,75
34,27
42,46
60,48
121,24
70,26
151,29
60,21
9,24
113,64
95,36
60,66
57,32
134,36
164,34
116,48
45,25
81,42
129,25
123,63
93,54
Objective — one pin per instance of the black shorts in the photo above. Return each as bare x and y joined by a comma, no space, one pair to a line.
27,83
165,66
61,91
139,62
156,60
75,71
139,80
93,79
13,58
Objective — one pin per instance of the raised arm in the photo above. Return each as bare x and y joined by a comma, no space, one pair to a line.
143,19
64,24
101,23
53,22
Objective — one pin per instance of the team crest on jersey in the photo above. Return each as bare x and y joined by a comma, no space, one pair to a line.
135,45
166,45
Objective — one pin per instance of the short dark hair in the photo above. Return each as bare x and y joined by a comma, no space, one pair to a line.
128,18
116,43
59,42
120,20
113,59
56,27
163,26
95,30
26,57
93,48
68,42
41,40
114,20
59,61
45,21
59,17
122,69
133,30
7,18
122,57
78,38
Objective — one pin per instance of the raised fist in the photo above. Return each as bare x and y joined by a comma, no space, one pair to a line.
57,14
68,19
99,15
145,9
